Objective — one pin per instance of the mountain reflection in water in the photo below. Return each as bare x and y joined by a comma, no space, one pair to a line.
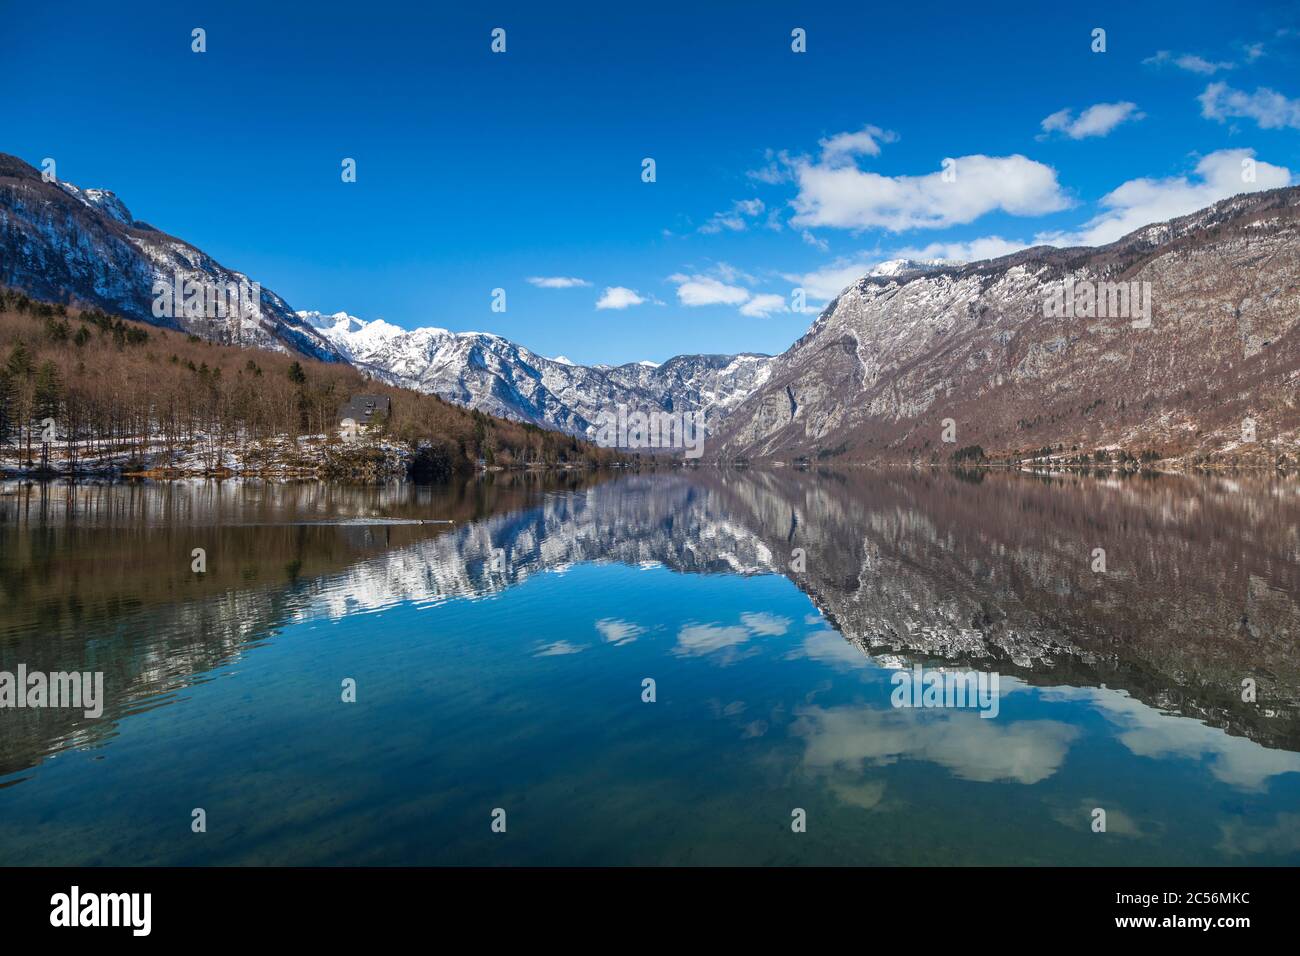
499,661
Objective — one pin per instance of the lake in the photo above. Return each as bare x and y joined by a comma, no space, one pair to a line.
679,667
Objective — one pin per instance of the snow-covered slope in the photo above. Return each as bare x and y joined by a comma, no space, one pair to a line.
495,375
913,346
62,243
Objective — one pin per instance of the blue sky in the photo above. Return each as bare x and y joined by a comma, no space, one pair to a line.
775,170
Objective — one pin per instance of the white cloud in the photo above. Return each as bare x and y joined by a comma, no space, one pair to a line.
1140,202
558,282
1268,108
618,297
1097,120
1282,836
770,174
1193,63
619,632
852,738
767,625
826,283
846,197
970,250
812,240
761,306
700,639
724,287
735,218
559,649
1237,761
775,170
829,647
729,273
705,290
843,147
1196,64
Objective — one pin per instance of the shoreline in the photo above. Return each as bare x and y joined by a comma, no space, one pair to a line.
118,475
304,459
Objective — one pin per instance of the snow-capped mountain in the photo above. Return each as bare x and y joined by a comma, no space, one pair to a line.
104,200
62,243
500,377
908,347
1213,367
902,268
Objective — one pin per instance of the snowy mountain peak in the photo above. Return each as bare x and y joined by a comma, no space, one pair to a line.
485,371
903,349
63,243
102,200
329,323
900,267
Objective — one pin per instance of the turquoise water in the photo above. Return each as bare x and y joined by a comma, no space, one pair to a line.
499,665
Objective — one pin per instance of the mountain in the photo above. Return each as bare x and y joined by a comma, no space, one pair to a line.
896,354
915,360
909,268
135,398
497,376
61,243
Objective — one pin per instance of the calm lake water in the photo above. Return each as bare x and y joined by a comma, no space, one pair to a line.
499,663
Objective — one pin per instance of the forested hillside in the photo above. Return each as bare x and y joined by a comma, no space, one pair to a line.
80,386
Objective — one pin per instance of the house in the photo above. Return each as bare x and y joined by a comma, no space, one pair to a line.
361,410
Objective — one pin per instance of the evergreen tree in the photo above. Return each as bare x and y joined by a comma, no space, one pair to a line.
49,391
20,361
7,412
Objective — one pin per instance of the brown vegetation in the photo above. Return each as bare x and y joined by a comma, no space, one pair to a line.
113,386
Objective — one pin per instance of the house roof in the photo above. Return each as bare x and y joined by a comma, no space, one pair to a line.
360,408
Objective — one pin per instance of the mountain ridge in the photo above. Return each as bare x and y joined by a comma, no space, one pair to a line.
907,349
61,243
890,361
82,246
501,377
